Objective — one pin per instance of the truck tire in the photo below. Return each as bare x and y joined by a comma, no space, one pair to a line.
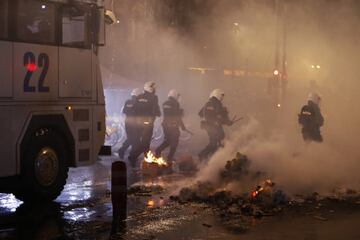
44,167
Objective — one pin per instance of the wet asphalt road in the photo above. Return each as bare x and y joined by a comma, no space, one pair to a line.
84,211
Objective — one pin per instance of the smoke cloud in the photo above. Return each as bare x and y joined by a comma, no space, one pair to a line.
192,56
295,166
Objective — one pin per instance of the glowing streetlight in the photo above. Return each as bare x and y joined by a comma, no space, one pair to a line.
315,66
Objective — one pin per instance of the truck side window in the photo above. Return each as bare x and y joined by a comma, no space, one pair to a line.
75,24
36,22
3,19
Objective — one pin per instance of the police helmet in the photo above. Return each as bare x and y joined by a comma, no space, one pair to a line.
136,92
150,87
314,97
173,93
218,93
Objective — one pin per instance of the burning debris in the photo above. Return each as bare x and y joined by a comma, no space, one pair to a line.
152,166
267,195
235,171
238,211
235,209
151,159
265,187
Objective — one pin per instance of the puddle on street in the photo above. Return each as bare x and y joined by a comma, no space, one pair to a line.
79,214
9,203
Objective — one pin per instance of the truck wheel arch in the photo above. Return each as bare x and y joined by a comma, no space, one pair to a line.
58,123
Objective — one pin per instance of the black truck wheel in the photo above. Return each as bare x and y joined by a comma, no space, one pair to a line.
44,167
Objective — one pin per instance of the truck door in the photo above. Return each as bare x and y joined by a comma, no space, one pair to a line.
35,51
75,53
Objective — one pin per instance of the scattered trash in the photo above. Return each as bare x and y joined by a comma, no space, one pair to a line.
145,190
234,209
320,218
200,192
235,169
207,225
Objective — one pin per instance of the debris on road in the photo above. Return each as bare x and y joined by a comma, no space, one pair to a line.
206,225
320,218
145,190
235,169
233,209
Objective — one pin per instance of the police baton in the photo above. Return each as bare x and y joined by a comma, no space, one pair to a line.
235,119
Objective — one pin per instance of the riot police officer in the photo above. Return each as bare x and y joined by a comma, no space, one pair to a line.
214,115
171,123
146,110
311,119
131,128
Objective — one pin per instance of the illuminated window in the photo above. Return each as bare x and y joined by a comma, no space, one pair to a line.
75,25
36,22
4,19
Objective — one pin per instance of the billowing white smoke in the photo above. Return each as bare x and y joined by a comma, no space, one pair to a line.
296,167
318,32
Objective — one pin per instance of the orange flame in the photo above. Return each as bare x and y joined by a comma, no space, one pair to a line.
255,193
150,203
265,186
150,158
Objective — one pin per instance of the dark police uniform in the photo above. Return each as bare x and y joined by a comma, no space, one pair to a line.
311,120
146,110
131,126
215,115
172,122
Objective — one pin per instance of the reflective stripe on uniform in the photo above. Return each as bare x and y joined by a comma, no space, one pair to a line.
306,113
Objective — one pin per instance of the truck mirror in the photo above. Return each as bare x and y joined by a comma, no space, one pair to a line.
110,17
